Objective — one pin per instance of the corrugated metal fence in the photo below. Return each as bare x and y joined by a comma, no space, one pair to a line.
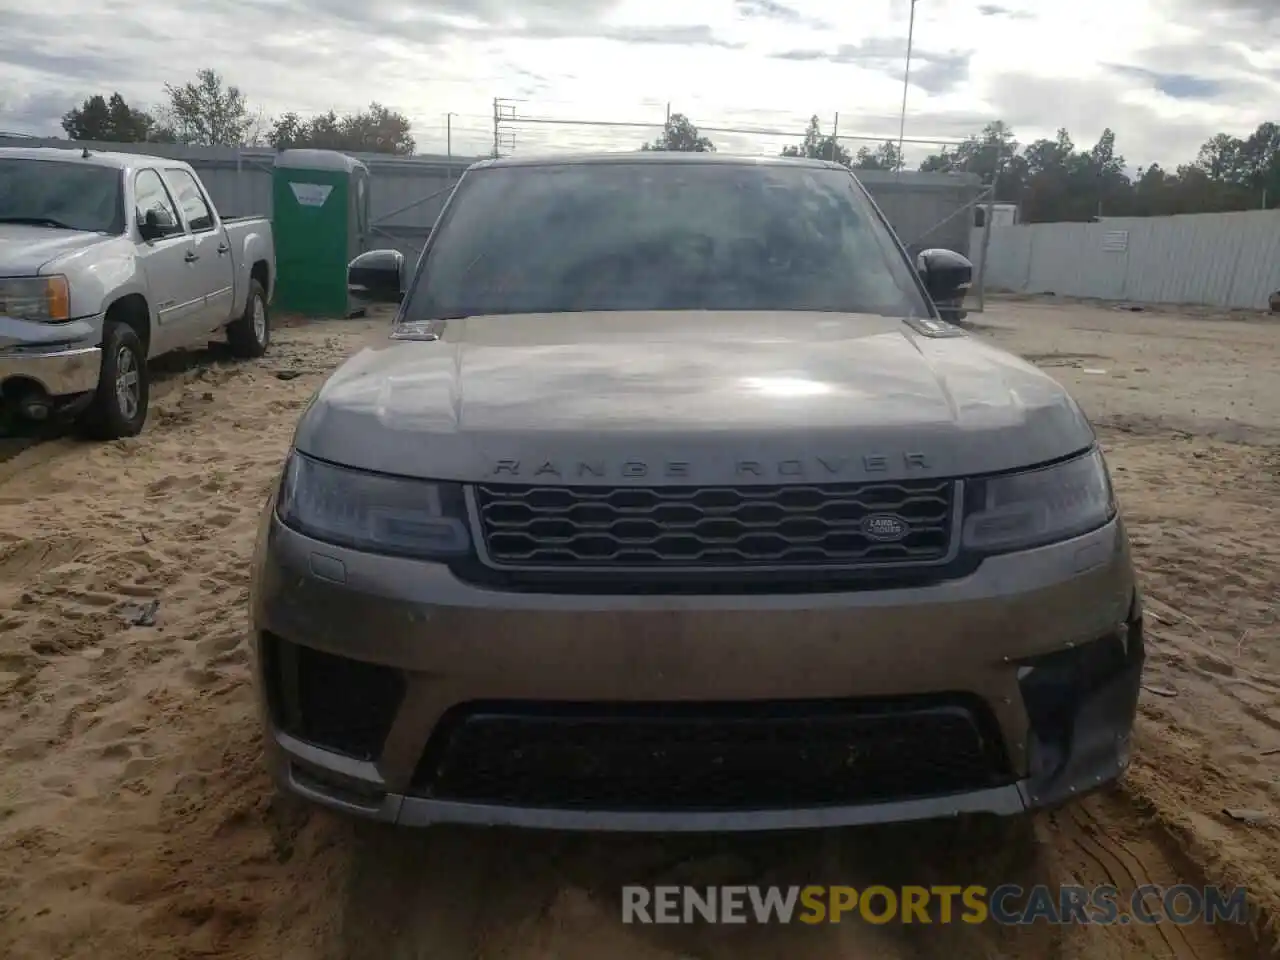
406,193
1229,260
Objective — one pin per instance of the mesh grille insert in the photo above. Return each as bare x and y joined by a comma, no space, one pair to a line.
667,758
868,524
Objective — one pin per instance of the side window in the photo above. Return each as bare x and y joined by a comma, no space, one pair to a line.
151,195
191,200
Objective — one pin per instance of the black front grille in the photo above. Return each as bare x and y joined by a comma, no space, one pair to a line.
673,757
333,702
824,525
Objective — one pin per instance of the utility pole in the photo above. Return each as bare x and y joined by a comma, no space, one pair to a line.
986,235
906,82
495,127
986,250
448,134
835,134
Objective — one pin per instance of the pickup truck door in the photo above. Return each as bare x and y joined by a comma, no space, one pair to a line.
176,293
214,259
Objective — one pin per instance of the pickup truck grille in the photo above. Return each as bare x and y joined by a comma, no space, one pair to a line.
526,527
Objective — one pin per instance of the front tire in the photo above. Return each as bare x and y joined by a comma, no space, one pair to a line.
119,405
250,334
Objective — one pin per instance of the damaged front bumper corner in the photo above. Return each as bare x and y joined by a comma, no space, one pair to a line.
1081,705
57,360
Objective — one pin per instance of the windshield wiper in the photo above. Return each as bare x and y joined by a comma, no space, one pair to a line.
39,222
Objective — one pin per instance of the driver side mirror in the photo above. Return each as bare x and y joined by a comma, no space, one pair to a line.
946,275
377,276
156,223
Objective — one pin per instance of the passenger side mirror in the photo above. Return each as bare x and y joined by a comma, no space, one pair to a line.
946,275
156,223
377,276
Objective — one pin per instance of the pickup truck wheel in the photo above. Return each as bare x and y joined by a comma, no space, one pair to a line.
119,406
250,335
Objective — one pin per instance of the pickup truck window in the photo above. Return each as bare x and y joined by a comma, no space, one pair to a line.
150,193
191,200
662,236
57,193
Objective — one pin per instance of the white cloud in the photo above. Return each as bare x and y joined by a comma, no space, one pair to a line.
725,63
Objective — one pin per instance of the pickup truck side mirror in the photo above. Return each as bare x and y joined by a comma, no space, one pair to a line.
377,276
155,223
946,275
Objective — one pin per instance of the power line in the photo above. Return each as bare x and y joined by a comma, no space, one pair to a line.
746,131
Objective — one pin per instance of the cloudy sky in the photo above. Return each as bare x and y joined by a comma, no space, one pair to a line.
1165,74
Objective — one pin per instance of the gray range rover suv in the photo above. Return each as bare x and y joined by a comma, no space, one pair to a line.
669,502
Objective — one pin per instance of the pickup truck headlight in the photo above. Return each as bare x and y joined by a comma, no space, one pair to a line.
43,299
371,511
1018,511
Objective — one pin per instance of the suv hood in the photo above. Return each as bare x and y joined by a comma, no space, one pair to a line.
690,398
25,249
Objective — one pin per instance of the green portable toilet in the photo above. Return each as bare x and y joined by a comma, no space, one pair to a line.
320,216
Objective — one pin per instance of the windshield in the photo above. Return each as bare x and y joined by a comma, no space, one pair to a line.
53,193
661,236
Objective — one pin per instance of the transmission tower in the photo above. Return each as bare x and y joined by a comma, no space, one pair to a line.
504,113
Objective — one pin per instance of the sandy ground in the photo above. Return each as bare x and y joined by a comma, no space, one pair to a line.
135,821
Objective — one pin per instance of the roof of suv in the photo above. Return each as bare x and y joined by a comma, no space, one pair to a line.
656,156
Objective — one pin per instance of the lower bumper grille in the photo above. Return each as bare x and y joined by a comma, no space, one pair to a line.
669,757
333,702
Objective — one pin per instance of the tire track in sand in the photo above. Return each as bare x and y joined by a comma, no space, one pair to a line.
449,894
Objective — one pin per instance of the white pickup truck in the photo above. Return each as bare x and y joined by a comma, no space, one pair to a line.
106,261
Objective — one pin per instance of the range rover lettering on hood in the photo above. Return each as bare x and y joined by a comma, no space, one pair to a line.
808,468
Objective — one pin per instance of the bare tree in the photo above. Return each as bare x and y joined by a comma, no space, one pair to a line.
207,112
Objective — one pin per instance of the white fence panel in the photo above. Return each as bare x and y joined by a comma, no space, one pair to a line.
1229,260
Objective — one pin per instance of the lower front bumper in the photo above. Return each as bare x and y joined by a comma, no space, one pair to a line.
365,665
297,775
58,373
1083,708
59,359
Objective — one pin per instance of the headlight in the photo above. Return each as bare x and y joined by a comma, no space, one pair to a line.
371,511
45,299
1022,510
